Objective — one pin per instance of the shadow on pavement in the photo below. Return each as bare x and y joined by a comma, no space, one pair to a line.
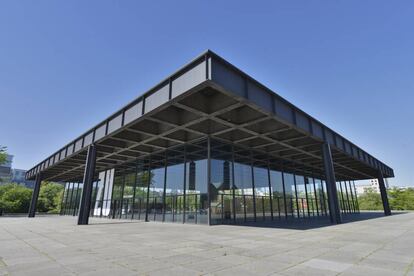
314,222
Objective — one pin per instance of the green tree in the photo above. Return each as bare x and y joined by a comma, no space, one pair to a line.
3,154
50,196
14,198
401,199
370,200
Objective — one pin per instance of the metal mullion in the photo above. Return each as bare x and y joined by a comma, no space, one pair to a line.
185,183
95,196
305,179
296,195
112,175
316,197
76,200
148,189
61,201
270,190
196,208
222,208
352,196
233,184
71,197
284,193
323,197
342,197
165,186
254,188
63,208
356,197
209,178
134,190
347,198
103,192
122,194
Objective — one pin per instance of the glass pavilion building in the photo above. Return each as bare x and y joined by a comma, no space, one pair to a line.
210,145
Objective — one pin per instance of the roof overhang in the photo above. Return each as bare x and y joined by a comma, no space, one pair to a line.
209,96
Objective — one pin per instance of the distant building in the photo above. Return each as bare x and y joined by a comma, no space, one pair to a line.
8,174
6,170
372,184
18,176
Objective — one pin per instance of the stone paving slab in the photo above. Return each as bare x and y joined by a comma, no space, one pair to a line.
55,245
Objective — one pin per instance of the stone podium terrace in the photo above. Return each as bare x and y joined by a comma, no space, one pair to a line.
54,245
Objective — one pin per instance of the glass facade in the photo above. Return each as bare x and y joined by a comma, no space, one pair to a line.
208,182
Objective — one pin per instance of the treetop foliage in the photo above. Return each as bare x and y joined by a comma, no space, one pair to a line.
3,154
15,198
398,198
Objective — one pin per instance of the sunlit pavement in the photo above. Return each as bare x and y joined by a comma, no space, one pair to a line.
54,245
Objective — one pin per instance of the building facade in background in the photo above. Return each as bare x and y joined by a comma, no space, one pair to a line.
6,169
10,175
373,185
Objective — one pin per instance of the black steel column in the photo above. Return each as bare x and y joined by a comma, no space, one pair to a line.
148,190
384,197
184,203
35,196
233,185
209,178
334,210
164,204
270,191
85,204
253,186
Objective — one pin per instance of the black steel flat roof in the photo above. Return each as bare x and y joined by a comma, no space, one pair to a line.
210,96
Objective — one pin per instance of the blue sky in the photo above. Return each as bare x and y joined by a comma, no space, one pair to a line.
66,65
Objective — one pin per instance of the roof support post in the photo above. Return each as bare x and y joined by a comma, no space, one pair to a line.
209,178
384,197
35,196
334,211
85,204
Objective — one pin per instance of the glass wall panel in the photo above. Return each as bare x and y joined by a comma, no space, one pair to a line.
117,194
319,196
262,192
100,194
104,193
243,191
156,192
128,194
290,193
72,198
346,197
356,196
353,206
278,201
174,192
325,195
64,200
221,193
311,197
94,197
301,196
196,184
78,198
340,197
172,186
140,191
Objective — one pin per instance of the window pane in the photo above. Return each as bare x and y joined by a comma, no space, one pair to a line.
221,193
277,194
262,192
196,184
